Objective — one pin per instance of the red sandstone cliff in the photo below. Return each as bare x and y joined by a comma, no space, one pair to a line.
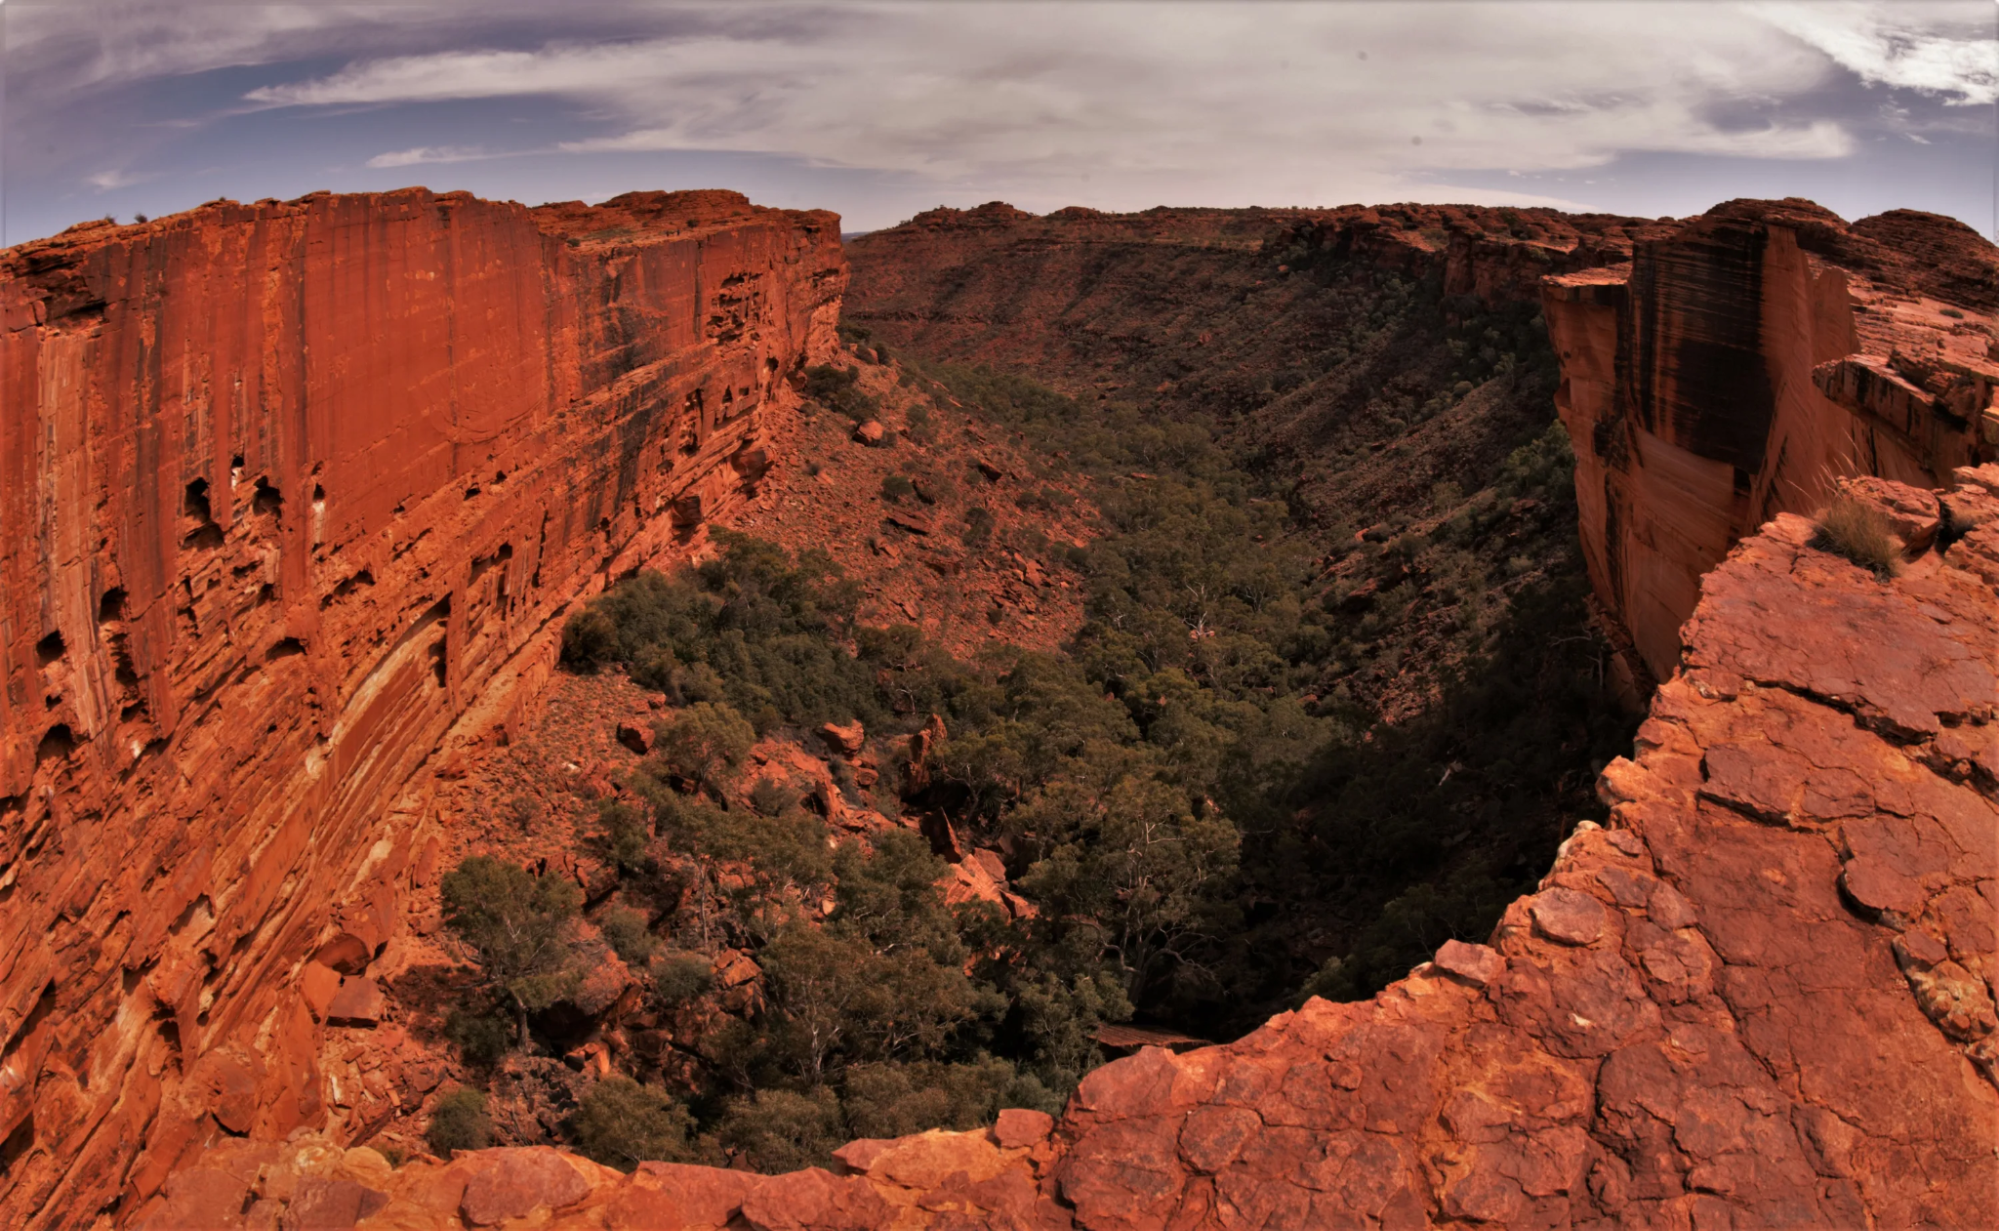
1735,368
289,493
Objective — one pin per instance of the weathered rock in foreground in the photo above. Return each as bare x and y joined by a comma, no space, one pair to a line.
1733,369
289,493
1762,997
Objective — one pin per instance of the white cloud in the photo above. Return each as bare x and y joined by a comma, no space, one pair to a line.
433,153
1115,104
1269,102
1942,50
110,181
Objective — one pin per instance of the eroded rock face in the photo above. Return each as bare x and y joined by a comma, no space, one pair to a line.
293,495
1732,370
1761,997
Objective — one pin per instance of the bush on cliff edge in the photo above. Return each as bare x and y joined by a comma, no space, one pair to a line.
1858,533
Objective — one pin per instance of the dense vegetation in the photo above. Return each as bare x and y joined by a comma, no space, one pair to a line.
1200,797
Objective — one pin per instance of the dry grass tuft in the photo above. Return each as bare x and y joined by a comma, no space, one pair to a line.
1860,533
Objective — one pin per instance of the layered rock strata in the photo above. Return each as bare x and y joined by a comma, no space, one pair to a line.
1762,996
289,493
1734,369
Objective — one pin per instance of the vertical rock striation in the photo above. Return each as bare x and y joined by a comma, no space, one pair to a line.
1733,369
289,493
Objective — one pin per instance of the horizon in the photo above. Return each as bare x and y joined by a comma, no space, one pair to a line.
881,110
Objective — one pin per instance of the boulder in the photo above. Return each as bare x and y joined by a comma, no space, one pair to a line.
637,736
845,740
1019,1127
359,1003
513,1183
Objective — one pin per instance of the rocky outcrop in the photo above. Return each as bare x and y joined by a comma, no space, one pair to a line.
293,495
1732,370
1762,996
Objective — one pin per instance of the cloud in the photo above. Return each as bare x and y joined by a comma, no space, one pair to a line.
1942,50
1118,105
1270,102
433,153
110,181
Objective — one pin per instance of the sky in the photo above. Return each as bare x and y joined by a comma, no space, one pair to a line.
879,109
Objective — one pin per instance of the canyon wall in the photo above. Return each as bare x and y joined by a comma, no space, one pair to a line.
1733,369
1762,996
291,496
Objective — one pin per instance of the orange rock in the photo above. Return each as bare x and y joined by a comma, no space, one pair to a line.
847,740
1475,964
734,968
359,1003
1018,1127
513,1183
636,736
319,985
707,1197
870,434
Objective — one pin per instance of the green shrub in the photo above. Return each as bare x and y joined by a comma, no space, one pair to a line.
625,930
624,835
978,526
680,977
1858,532
621,1124
771,798
895,1100
922,429
459,1122
839,389
782,1130
705,744
483,1037
754,627
519,927
896,488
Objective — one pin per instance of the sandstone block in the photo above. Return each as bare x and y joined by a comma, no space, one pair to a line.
513,1183
1568,916
1475,964
870,433
322,1204
359,1003
733,968
860,1154
1020,1127
708,1197
845,740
